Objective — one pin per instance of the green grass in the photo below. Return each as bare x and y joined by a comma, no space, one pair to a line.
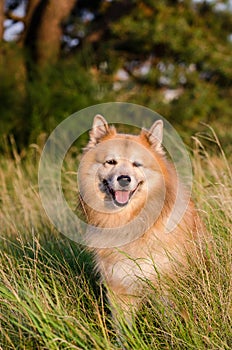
50,298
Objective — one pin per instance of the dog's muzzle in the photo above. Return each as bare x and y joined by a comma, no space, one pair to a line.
120,196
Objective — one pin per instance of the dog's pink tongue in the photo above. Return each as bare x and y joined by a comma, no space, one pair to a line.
122,197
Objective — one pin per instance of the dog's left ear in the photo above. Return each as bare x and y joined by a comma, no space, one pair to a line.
155,135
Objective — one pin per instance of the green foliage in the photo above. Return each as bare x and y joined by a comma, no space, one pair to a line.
189,49
48,98
12,107
63,90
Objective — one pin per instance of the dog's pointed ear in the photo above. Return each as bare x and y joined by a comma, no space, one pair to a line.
100,129
155,135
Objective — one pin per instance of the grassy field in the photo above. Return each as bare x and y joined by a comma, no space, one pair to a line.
51,299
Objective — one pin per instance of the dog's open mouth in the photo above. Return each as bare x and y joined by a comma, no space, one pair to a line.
120,197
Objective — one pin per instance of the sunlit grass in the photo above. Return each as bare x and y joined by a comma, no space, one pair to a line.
50,298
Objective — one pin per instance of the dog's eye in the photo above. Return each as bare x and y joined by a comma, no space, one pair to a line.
111,162
137,164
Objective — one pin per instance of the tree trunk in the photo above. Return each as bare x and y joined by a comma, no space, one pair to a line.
31,9
43,34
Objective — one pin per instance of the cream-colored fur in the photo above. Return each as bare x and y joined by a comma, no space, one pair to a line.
129,237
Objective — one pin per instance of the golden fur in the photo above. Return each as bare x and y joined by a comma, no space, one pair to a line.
138,222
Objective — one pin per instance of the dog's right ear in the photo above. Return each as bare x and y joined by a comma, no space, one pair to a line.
100,129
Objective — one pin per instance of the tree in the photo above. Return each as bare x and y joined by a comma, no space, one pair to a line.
176,56
170,55
42,28
36,49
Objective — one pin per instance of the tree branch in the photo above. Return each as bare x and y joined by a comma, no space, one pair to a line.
15,18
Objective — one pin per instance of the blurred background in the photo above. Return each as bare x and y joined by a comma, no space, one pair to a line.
59,56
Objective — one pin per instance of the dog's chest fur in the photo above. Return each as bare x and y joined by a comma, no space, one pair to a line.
131,266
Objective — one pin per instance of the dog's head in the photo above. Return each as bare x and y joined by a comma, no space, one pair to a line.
118,170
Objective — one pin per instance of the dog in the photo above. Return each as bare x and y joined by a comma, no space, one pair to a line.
128,191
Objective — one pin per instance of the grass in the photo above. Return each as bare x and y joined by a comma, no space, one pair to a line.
51,299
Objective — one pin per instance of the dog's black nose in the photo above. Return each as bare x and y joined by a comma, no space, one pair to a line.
124,180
